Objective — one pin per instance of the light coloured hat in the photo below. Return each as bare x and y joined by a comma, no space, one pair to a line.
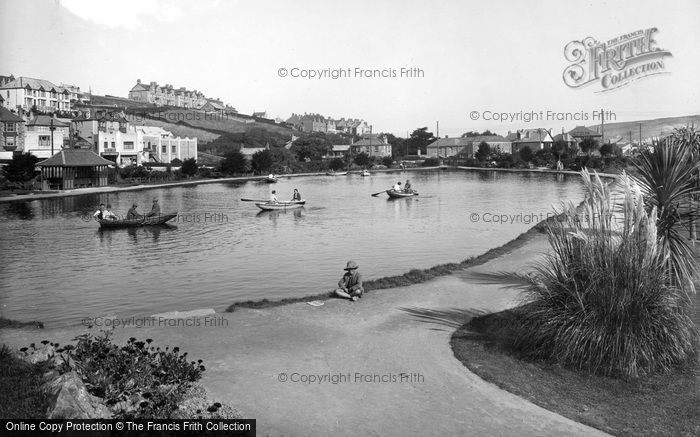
351,265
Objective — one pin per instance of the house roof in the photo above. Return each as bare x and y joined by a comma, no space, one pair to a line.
45,120
564,137
529,135
451,142
214,105
101,116
75,158
35,84
6,115
250,151
583,131
374,141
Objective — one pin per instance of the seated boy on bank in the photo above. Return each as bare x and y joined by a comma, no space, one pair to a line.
350,285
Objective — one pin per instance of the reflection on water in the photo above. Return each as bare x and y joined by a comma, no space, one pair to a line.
58,267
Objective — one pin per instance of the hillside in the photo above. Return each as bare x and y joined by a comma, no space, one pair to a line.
650,128
186,122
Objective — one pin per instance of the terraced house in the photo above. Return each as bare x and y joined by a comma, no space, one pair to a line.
26,93
166,95
12,132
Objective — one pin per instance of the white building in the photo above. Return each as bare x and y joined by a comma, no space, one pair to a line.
38,136
162,146
27,92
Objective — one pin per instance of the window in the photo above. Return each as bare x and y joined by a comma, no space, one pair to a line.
44,140
10,127
174,149
106,145
128,145
114,146
164,149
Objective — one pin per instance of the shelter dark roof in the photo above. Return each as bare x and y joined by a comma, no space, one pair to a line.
75,158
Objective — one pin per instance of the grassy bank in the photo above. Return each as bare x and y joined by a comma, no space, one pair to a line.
21,395
665,404
9,323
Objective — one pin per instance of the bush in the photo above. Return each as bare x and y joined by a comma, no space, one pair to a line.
136,380
431,162
336,164
602,301
387,161
176,162
362,159
189,167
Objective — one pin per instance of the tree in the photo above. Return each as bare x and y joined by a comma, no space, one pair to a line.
234,162
525,153
311,147
337,164
387,161
477,134
21,168
606,150
189,167
588,145
362,159
419,140
176,161
560,148
483,152
262,161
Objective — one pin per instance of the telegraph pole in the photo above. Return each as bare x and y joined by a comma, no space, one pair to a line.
52,128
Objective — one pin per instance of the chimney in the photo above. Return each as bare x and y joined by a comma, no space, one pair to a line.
138,81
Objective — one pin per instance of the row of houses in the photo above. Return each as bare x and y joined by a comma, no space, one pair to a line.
534,139
320,123
167,95
27,93
109,134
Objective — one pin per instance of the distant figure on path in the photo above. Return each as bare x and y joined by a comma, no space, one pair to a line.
108,214
273,197
397,187
133,214
296,195
560,166
155,209
350,285
407,186
99,214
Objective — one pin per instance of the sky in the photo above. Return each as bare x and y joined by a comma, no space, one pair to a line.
477,58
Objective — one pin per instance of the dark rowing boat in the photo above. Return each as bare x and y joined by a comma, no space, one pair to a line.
133,223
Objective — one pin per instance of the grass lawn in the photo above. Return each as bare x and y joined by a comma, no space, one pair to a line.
20,394
658,405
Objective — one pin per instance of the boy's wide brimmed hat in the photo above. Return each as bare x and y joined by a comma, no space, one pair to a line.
351,265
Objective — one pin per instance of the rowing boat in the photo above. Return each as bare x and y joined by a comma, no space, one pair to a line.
364,173
398,194
332,173
132,223
271,180
277,206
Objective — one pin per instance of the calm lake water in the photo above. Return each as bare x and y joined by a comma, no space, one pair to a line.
58,267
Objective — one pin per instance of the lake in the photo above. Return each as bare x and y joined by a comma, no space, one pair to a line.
59,268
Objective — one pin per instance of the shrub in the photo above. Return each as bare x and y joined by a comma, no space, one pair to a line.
362,159
136,380
336,164
431,162
189,167
387,161
602,301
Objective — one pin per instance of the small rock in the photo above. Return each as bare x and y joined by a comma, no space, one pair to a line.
34,356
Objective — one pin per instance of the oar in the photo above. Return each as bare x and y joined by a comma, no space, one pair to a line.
377,194
254,200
